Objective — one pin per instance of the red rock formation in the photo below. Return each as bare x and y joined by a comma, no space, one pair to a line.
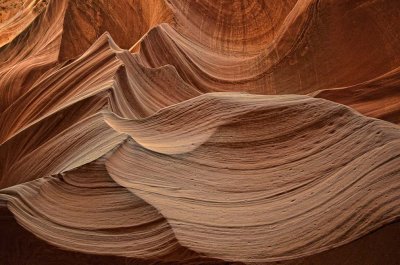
130,132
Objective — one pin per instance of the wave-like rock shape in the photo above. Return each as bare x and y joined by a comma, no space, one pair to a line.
204,192
253,208
366,250
126,20
378,98
315,47
31,54
16,16
144,145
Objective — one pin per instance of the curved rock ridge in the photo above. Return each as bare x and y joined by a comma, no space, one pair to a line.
378,98
15,16
197,184
31,53
199,132
315,47
302,167
133,228
126,20
113,81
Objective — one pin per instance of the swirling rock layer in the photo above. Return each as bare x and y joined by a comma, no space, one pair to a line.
170,132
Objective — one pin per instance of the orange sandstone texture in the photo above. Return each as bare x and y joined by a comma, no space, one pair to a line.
199,132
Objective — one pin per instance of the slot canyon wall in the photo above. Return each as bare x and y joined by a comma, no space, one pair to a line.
200,132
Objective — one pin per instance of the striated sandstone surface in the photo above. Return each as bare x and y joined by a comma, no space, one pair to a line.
199,132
